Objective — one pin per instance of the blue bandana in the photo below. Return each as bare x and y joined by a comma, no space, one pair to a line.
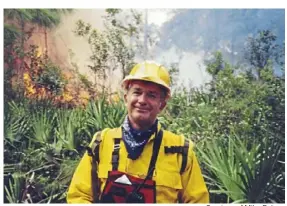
135,140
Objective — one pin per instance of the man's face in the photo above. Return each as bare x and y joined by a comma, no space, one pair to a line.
144,102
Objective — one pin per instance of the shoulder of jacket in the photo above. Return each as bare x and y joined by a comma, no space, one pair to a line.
174,143
112,133
99,135
99,139
172,139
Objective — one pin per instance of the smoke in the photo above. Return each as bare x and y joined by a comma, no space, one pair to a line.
191,68
63,42
67,48
191,64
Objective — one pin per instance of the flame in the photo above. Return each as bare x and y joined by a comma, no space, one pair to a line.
70,95
67,97
29,86
39,51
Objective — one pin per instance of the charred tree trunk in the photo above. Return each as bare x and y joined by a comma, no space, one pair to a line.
46,44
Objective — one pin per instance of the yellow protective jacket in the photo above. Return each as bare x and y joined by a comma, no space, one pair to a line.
170,184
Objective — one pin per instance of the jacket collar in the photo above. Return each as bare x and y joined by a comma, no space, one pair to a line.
118,133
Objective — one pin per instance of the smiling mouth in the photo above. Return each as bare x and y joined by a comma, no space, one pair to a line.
142,110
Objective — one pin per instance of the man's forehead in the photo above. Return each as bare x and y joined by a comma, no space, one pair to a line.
145,85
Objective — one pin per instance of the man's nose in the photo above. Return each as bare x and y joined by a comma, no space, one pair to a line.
142,99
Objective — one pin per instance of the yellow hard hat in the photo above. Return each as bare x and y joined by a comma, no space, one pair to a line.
151,72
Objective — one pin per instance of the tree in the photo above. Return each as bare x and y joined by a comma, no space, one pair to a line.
124,36
260,50
111,49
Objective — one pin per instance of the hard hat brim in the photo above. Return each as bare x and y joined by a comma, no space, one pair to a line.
147,79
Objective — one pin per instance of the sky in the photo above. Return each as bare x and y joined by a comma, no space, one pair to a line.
158,16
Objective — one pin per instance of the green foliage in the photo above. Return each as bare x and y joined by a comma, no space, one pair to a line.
45,17
242,170
113,12
14,189
173,72
17,123
18,14
51,78
215,65
103,115
42,127
85,81
11,34
69,127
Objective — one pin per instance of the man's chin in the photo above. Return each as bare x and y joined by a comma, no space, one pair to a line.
142,119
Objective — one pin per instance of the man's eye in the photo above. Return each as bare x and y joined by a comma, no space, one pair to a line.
135,92
153,96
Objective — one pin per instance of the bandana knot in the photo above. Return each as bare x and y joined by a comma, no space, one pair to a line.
135,140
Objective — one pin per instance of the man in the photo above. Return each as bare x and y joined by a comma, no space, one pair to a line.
140,162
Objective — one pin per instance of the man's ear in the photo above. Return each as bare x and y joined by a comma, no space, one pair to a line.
125,98
162,105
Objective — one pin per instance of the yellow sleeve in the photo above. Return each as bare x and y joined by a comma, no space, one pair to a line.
80,189
194,188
